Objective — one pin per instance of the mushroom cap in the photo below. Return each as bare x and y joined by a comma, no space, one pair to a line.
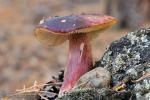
55,30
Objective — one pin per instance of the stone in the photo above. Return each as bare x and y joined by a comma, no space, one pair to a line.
95,94
127,60
96,78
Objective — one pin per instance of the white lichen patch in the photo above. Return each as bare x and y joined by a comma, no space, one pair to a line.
141,87
137,57
144,38
119,62
119,59
138,95
133,38
146,84
132,71
138,40
127,49
137,87
147,96
107,56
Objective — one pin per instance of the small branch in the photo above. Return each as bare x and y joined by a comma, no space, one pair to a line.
147,75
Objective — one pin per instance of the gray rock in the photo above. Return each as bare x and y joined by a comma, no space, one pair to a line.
94,94
127,59
96,78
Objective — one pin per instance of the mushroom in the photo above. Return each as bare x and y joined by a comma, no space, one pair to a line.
79,30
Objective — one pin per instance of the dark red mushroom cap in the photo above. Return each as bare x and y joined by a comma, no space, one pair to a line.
55,30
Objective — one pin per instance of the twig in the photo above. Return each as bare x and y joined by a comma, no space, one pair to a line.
35,89
147,75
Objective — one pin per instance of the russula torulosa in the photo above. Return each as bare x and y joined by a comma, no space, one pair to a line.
79,30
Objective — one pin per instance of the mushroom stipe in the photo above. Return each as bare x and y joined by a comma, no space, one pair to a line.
79,30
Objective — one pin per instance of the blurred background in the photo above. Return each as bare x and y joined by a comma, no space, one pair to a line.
23,59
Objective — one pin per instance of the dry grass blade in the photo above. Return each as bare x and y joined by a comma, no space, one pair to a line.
31,92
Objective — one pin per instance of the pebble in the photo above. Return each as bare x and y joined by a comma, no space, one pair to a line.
96,78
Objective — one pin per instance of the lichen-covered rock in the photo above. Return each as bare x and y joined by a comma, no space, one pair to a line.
129,58
96,78
83,94
95,94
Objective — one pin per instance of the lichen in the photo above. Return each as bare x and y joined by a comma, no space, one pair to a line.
132,71
129,57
